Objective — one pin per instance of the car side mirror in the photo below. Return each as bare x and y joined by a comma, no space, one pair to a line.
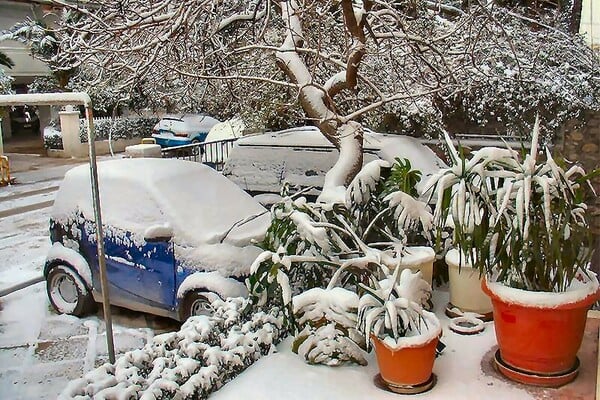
158,233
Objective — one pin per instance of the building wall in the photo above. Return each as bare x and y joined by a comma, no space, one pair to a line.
26,67
590,21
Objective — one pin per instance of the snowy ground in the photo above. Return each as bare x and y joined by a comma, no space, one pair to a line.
463,371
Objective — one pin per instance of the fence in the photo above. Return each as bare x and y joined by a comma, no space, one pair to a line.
212,154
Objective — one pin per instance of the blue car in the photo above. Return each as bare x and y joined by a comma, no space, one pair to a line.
177,235
181,129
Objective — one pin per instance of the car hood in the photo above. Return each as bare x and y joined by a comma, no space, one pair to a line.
245,232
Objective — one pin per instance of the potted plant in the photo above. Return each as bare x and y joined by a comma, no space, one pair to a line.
521,223
405,336
466,294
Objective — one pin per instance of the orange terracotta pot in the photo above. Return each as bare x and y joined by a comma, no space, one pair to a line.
539,340
406,366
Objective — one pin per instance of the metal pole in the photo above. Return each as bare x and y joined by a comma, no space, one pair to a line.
79,99
99,233
1,139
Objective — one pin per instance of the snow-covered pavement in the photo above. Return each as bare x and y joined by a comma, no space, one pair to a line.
41,351
464,371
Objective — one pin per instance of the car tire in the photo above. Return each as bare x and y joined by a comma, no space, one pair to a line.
195,303
67,291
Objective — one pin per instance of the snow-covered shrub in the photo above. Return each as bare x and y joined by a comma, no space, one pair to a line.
115,128
118,128
329,335
311,246
5,83
52,137
520,219
191,363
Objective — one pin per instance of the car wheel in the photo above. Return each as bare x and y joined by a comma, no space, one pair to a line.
67,292
196,303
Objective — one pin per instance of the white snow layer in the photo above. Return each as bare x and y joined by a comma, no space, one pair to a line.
227,259
584,284
214,282
73,258
136,194
336,305
416,255
430,329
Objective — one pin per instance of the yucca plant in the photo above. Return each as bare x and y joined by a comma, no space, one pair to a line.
520,219
393,309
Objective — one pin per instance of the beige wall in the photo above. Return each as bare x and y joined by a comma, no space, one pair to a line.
25,66
590,21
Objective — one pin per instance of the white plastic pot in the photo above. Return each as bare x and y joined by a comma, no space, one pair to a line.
419,258
465,286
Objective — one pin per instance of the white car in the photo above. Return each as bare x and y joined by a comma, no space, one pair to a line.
261,164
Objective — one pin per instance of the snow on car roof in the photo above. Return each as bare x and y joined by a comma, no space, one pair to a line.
197,121
386,146
198,202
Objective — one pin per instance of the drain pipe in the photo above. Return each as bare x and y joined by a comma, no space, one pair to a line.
62,99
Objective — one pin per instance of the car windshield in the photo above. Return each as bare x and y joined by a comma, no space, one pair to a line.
203,207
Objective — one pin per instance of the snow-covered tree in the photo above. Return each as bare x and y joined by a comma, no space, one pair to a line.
5,83
344,62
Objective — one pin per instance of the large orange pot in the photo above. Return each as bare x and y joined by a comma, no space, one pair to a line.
539,339
411,365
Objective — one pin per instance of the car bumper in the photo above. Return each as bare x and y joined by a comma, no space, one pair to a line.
170,141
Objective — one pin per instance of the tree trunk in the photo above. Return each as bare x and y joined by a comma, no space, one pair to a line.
350,144
575,16
346,137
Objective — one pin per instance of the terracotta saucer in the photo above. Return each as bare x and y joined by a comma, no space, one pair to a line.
535,379
405,389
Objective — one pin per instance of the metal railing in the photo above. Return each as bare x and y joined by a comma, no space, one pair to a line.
477,141
212,154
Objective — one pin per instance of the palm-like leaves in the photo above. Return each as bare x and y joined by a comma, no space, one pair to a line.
523,220
393,308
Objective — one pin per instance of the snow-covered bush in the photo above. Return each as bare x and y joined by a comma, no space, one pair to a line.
318,245
52,137
118,128
5,83
105,128
202,356
520,219
329,335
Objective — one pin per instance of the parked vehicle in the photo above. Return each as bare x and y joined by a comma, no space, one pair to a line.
24,120
181,129
301,157
171,247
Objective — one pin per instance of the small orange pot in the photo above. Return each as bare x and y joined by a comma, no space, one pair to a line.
406,366
539,340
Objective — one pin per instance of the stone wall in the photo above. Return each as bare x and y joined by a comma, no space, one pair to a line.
580,141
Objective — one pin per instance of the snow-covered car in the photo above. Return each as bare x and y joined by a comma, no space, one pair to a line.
301,157
176,234
177,130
